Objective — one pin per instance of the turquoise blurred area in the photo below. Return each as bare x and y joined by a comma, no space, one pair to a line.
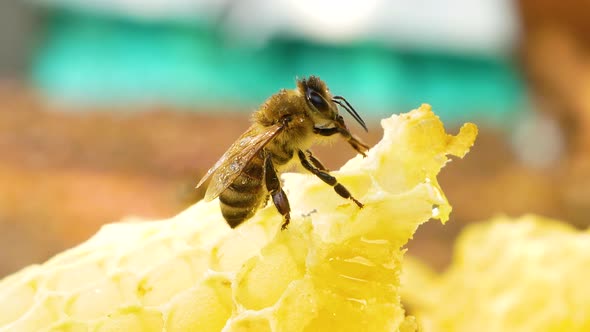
91,60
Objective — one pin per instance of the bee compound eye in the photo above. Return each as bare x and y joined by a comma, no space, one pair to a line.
316,100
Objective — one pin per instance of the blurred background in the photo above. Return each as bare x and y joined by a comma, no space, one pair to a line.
115,108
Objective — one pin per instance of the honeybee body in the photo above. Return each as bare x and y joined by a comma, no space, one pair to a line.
245,194
283,130
240,200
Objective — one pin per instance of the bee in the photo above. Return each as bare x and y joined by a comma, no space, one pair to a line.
283,129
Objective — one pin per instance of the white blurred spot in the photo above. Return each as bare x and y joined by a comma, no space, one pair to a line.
435,211
538,141
333,20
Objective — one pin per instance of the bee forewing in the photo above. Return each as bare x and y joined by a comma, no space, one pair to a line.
235,159
210,171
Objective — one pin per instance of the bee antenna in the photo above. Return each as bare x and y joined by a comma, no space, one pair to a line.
339,99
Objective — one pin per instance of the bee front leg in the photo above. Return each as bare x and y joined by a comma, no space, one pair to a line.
356,144
273,185
326,131
326,177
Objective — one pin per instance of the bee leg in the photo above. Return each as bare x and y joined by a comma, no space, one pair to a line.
316,162
326,177
265,201
356,144
273,185
326,131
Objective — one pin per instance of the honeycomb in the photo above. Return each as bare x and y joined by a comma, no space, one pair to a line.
524,274
336,267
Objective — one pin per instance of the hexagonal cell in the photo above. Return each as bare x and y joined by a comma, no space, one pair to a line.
205,307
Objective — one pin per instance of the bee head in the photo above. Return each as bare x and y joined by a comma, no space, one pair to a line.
324,106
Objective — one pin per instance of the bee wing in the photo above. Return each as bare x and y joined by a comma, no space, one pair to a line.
233,161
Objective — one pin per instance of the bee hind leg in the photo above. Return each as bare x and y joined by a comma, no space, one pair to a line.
322,173
279,198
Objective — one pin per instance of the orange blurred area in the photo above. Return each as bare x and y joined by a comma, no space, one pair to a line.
64,174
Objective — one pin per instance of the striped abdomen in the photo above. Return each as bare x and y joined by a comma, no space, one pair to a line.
244,196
